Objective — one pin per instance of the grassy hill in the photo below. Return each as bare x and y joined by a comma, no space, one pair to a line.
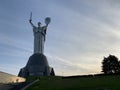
108,82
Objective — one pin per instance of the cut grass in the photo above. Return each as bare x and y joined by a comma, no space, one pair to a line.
80,83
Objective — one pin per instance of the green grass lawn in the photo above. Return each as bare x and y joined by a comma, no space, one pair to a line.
111,82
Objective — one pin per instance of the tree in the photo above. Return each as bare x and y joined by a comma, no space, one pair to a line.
110,65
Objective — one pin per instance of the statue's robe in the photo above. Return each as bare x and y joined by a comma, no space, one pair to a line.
39,39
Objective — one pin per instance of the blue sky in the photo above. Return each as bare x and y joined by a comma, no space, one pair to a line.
80,34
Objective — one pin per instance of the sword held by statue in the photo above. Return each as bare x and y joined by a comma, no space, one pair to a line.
31,16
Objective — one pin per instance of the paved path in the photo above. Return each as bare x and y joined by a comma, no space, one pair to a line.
30,84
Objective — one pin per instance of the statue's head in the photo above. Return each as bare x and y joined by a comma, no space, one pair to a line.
39,24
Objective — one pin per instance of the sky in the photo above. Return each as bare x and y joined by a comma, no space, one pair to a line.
80,35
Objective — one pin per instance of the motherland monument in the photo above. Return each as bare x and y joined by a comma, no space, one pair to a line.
37,64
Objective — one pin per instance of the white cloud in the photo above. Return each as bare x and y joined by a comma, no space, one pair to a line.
66,66
14,42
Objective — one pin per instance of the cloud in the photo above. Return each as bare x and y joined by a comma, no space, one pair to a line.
14,42
70,67
88,36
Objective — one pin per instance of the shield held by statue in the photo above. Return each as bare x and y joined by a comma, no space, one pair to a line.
47,20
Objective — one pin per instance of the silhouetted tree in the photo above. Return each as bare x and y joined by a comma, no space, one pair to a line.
110,65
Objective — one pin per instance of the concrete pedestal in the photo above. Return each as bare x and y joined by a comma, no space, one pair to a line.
37,65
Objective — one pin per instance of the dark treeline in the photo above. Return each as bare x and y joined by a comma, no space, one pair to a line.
111,65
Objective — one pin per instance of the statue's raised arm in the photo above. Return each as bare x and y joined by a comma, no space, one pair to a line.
30,20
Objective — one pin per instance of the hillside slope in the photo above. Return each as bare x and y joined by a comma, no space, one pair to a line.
6,78
110,82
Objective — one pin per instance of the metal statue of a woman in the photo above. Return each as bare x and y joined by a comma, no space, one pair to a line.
39,34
